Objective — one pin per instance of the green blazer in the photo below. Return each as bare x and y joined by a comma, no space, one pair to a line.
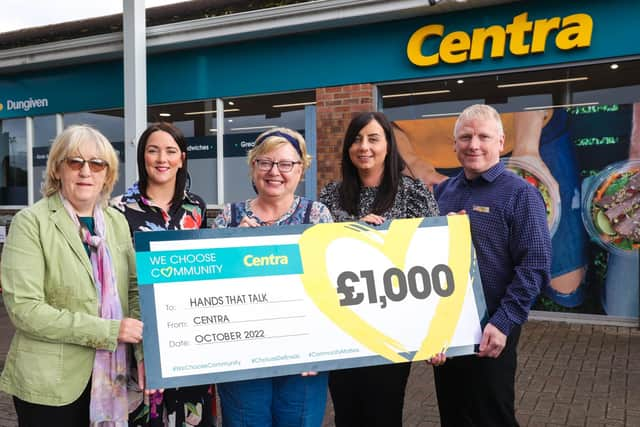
50,296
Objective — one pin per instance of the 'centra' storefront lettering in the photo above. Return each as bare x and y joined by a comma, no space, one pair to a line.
572,32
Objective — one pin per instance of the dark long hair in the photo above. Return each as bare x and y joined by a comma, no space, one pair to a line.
181,176
391,176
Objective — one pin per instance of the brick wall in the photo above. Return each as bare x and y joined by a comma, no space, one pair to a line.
335,106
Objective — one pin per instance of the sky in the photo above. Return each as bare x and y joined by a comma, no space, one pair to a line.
19,14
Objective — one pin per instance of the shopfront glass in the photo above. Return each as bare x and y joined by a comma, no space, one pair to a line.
13,155
244,119
575,135
201,149
44,132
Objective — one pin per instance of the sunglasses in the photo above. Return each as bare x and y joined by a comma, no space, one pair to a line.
77,163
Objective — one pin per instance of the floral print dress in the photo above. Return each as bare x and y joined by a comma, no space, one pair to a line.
185,406
143,215
302,211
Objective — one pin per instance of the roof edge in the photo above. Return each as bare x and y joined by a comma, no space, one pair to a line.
261,23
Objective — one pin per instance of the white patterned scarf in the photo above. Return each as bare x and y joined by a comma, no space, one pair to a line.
108,407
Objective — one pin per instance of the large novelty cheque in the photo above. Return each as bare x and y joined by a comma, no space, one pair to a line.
233,304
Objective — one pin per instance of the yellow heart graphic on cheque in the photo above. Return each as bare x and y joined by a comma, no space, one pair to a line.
167,271
393,244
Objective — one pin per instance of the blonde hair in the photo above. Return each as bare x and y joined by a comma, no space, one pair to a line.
479,111
269,140
68,144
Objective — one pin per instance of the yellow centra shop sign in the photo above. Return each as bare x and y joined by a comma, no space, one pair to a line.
525,38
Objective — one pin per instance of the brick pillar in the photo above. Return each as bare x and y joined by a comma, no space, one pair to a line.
335,106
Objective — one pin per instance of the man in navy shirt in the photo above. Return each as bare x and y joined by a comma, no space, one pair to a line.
509,231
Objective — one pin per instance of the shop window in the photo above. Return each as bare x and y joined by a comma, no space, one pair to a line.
618,95
568,132
13,166
428,110
202,152
240,135
244,119
44,134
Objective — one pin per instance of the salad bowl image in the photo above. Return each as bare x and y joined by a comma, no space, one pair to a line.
611,209
611,215
541,179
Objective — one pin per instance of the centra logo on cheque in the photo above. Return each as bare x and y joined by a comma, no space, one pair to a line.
25,104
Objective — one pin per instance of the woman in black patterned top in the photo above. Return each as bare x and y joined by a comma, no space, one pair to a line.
160,200
374,190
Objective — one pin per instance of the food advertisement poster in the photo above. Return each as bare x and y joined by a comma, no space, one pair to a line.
585,161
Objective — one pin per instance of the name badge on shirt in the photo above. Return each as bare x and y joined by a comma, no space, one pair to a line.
483,209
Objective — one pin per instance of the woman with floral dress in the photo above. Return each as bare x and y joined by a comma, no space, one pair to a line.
160,200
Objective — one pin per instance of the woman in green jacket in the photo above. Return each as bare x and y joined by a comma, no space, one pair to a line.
69,287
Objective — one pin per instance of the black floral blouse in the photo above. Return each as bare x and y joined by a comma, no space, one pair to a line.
143,215
180,407
413,200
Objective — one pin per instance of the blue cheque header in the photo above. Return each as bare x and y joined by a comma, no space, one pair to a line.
217,263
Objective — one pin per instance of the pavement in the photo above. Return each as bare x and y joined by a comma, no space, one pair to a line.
568,375
7,414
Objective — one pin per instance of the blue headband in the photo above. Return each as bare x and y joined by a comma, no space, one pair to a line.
286,136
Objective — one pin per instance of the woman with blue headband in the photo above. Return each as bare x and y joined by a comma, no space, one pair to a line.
277,163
